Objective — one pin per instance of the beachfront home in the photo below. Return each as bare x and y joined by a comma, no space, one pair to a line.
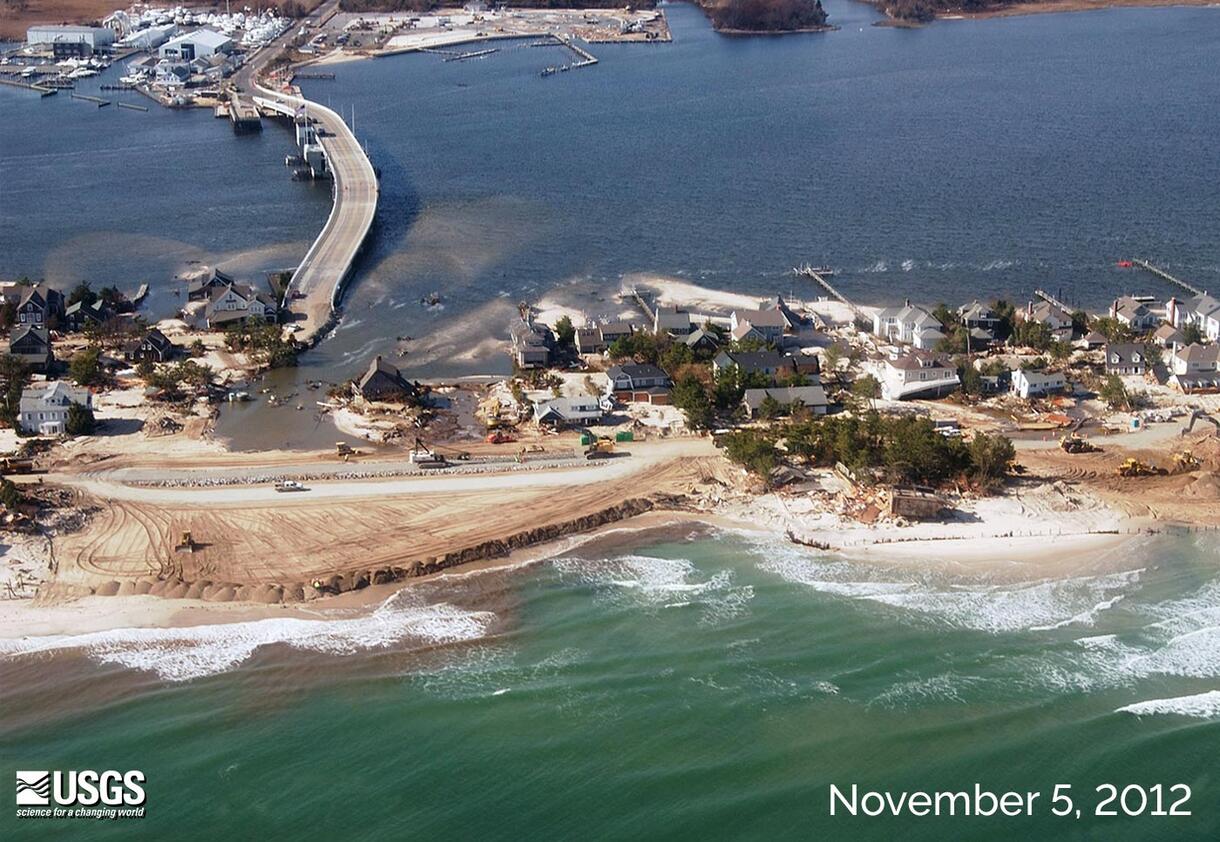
40,306
155,347
639,382
916,374
1194,367
201,288
237,304
1167,336
565,412
1057,320
382,382
978,316
746,332
702,340
44,407
672,320
1200,310
909,324
532,344
769,324
80,315
595,339
32,345
812,398
1030,384
1125,358
1092,341
1134,313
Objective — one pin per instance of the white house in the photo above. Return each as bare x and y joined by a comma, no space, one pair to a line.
909,324
1028,384
1194,366
916,374
238,303
812,398
44,407
1134,313
563,411
1200,310
1057,320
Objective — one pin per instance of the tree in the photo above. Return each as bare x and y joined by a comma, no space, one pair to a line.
80,420
866,387
10,496
1112,329
769,408
990,456
82,293
1191,334
1114,393
85,368
690,395
972,380
1006,314
1032,334
831,357
565,333
753,450
1060,351
14,375
145,369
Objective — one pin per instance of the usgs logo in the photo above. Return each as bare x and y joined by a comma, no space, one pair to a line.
83,787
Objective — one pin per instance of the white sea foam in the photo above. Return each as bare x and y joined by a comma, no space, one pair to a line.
182,654
1035,605
1201,705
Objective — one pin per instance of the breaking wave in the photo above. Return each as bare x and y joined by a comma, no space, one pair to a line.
183,654
1201,705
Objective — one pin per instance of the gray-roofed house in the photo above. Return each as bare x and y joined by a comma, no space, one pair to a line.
768,363
812,398
771,324
532,345
909,324
44,407
639,382
702,340
80,315
238,303
1094,340
746,332
32,345
979,315
200,288
39,305
1167,336
155,347
1194,367
1133,313
1201,310
594,339
917,374
382,382
672,320
1057,320
567,411
1125,358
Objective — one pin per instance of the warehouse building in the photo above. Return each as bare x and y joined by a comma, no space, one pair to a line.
68,41
202,43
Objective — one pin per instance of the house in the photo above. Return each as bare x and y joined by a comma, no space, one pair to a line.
635,382
1057,320
40,305
44,407
916,374
767,363
1093,340
1134,313
1202,311
909,324
155,347
595,339
770,324
80,315
812,398
1194,367
672,320
746,332
1125,358
702,340
383,382
792,321
200,288
532,345
976,315
563,412
32,345
237,304
1167,336
1027,383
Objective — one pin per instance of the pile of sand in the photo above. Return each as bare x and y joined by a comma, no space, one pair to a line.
1206,485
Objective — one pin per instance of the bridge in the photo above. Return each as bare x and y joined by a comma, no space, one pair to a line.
317,284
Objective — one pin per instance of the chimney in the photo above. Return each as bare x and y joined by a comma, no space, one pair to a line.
1029,308
1114,309
1171,311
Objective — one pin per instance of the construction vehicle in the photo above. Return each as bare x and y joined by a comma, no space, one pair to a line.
344,450
186,545
601,448
289,485
1199,415
1133,467
1075,443
1184,462
425,457
500,437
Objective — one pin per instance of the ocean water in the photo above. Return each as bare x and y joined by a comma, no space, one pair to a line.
674,685
968,158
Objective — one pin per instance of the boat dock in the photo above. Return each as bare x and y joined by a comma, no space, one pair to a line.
1165,276
584,57
1052,300
807,271
131,106
644,304
42,90
96,100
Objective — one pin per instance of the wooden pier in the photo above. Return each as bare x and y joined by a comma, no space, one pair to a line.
327,76
643,304
1052,300
244,115
1165,276
132,106
41,90
96,100
807,271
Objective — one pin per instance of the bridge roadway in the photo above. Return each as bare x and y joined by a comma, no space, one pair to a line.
317,283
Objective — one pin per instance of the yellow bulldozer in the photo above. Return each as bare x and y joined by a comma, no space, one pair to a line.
1133,467
1075,443
1184,462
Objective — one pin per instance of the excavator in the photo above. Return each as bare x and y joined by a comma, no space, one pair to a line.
1076,443
1199,415
431,457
